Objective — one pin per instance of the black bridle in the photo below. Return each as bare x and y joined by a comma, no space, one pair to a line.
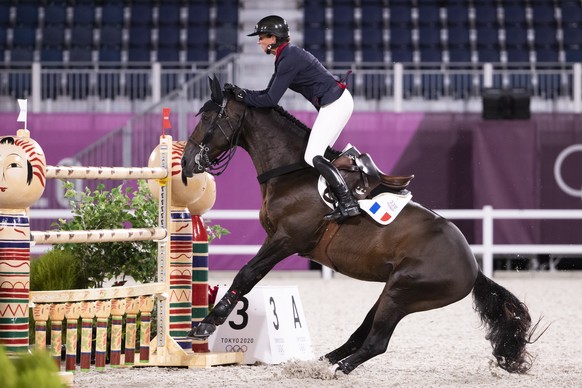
219,164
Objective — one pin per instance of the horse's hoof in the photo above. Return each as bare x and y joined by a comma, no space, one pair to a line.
202,331
343,367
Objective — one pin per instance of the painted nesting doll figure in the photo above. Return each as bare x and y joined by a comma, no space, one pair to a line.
22,182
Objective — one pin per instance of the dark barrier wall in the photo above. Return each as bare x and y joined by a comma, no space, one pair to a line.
460,162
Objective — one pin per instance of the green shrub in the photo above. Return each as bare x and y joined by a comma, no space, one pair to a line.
8,375
115,209
36,369
55,270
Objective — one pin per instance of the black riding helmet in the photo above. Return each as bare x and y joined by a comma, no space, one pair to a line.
274,25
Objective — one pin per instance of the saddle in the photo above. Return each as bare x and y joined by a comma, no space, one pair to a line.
363,176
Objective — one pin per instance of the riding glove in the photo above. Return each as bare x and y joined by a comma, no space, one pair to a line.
239,93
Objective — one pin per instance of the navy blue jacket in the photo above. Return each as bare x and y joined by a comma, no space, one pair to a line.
300,71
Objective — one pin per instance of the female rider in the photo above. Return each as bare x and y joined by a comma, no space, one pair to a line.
300,71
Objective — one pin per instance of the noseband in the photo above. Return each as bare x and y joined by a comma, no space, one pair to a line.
219,164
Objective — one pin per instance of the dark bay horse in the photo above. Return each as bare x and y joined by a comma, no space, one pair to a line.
423,259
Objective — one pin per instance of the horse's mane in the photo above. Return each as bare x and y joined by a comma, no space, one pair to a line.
294,120
331,153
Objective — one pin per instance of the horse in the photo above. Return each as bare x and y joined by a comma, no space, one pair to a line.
424,259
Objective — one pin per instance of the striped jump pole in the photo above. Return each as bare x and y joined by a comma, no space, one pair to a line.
199,278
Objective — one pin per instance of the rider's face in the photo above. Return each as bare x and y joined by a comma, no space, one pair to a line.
266,40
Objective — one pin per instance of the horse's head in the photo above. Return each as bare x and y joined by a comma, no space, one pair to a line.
213,142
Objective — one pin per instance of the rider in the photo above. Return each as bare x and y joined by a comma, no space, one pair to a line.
301,72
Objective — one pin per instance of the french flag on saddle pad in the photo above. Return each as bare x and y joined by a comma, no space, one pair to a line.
384,207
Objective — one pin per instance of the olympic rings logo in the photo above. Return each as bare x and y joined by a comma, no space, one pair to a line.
558,170
236,348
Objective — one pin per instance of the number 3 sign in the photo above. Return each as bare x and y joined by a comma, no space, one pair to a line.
267,325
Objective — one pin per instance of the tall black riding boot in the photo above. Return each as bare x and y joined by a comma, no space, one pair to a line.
347,204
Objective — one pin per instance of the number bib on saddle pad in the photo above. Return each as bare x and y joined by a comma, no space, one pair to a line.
383,208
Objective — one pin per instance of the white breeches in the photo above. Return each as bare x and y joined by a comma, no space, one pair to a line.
328,125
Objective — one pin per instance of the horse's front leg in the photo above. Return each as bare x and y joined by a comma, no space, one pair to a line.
271,253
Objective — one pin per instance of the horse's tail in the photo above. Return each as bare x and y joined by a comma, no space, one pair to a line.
508,324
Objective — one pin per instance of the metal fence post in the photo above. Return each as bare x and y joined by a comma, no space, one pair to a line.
488,240
35,87
398,87
577,87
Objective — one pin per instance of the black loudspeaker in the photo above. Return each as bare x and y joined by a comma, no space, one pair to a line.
506,104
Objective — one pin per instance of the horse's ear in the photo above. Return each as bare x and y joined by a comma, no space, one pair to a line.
216,90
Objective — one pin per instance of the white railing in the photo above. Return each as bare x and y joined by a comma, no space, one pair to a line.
487,250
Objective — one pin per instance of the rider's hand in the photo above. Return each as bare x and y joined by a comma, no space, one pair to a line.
239,93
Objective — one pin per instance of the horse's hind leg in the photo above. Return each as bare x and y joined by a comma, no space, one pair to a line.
381,326
356,339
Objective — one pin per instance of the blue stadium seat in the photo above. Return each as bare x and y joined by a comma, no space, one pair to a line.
571,12
572,36
199,13
168,54
141,14
373,54
518,53
488,53
110,35
55,13
169,14
458,35
21,54
24,36
138,54
400,14
27,14
226,40
140,36
343,43
343,15
515,35
459,53
109,54
228,11
168,44
80,54
197,43
487,36
543,14
51,54
313,12
402,53
112,14
428,13
372,14
545,34
457,13
313,35
548,53
400,43
432,54
514,13
487,13
81,35
53,35
546,43
429,35
400,35
84,14
3,42
4,14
